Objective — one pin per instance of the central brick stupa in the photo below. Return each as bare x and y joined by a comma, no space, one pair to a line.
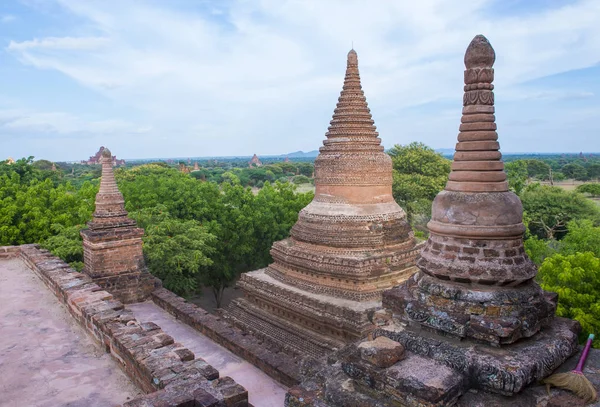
350,243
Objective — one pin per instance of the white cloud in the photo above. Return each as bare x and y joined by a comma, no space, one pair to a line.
264,76
64,43
19,121
7,18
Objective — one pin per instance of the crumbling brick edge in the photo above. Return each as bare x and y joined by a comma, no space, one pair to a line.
161,367
275,363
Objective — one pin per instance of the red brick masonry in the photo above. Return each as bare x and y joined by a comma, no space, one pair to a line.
272,361
165,369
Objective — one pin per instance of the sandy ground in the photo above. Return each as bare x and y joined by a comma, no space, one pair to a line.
46,359
262,390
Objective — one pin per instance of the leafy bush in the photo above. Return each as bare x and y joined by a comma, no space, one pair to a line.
576,279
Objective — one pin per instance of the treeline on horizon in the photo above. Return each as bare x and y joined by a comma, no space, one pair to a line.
203,228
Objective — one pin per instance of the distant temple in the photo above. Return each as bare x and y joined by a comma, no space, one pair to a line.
184,168
254,162
95,159
196,168
287,159
349,244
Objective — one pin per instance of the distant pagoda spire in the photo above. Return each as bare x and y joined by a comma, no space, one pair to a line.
478,165
110,205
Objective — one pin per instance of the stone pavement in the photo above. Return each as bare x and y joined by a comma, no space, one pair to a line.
46,359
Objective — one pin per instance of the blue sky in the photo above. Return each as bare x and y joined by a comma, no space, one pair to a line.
181,78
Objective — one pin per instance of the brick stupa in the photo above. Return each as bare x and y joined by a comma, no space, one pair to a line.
471,327
348,245
112,244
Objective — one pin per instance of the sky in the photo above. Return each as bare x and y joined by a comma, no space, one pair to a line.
193,78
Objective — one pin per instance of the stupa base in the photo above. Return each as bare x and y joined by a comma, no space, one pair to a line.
437,371
498,316
129,288
299,322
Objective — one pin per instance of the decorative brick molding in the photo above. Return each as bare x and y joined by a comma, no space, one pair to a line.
271,360
165,369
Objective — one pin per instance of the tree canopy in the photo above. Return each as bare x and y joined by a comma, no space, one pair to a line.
419,175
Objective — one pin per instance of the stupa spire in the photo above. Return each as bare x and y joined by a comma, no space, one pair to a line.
352,121
478,165
110,205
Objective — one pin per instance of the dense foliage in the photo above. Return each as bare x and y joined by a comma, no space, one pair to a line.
548,210
197,233
419,174
205,227
576,279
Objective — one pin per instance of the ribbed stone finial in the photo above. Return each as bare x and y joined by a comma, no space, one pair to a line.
478,165
480,53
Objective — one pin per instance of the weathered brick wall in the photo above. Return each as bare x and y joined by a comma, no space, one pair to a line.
151,358
108,252
276,364
9,251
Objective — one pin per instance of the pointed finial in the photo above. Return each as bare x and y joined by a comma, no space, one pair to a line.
480,53
352,57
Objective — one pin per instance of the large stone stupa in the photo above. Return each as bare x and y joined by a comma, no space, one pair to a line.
350,243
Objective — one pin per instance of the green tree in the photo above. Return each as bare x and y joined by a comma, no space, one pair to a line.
66,243
301,179
176,251
539,249
549,209
517,175
419,175
232,224
576,280
592,189
582,236
538,169
574,171
593,170
276,208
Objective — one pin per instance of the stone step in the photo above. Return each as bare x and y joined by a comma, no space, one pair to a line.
268,327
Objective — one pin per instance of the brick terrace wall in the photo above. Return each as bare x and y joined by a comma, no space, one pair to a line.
278,365
151,358
9,251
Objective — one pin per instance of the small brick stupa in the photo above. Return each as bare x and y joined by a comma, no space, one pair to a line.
349,244
112,245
